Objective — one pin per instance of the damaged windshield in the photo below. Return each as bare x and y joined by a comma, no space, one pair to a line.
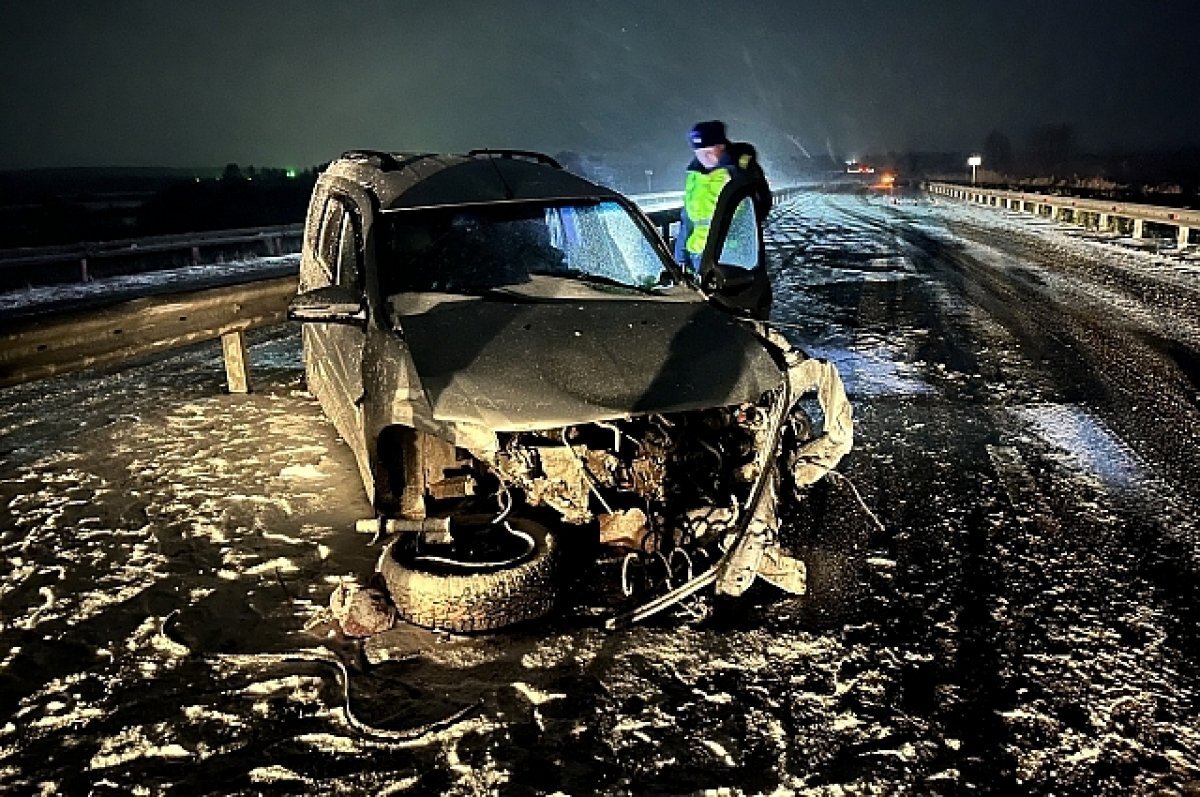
478,248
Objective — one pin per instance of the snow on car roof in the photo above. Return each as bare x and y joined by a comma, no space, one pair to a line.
406,181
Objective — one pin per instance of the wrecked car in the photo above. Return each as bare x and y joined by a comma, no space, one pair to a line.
519,365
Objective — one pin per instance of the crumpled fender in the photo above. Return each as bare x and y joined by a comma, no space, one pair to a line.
822,454
756,552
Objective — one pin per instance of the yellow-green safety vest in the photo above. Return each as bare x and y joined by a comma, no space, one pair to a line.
700,193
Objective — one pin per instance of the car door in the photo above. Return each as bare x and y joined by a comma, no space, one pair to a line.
733,269
334,351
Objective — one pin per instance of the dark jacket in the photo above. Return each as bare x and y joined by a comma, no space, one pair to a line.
745,157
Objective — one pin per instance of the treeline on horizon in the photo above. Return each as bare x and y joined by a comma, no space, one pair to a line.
48,207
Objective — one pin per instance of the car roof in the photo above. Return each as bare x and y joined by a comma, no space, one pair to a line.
417,180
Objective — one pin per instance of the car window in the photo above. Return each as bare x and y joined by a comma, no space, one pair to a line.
325,252
336,254
477,248
740,247
347,266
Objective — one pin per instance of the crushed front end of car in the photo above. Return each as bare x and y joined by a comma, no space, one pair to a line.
678,499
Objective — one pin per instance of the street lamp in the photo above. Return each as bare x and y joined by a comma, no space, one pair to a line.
974,162
649,181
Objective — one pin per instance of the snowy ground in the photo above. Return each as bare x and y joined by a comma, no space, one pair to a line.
1026,620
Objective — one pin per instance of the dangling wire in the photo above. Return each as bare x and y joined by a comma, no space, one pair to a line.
626,587
529,543
839,478
505,499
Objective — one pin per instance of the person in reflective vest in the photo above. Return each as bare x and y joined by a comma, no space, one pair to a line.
716,162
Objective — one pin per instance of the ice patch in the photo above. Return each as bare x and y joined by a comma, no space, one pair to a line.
874,372
1085,439
536,696
275,774
719,752
130,745
301,473
277,565
280,353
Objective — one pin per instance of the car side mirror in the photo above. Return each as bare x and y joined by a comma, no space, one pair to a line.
332,304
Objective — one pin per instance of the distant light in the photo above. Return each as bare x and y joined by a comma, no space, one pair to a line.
291,173
975,160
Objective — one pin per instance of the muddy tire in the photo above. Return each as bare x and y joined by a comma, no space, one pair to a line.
473,601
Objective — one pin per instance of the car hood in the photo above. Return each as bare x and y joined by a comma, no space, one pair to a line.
538,365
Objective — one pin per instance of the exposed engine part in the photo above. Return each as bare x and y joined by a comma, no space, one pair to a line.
563,483
626,528
664,467
431,529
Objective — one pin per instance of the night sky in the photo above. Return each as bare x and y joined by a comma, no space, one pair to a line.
166,83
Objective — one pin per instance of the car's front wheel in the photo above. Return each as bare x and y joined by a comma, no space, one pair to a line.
490,579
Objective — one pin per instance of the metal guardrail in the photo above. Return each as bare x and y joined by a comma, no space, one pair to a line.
44,347
1088,212
663,209
153,243
86,261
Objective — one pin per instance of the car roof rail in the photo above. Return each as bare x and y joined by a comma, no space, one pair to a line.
522,154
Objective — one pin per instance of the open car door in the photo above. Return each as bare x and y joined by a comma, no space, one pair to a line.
733,268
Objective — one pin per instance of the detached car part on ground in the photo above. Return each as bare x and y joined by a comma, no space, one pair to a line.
519,366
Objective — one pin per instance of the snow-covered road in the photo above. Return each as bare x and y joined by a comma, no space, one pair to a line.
1025,621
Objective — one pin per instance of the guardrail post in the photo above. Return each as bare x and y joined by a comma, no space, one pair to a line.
195,255
1139,228
1181,238
83,270
1103,222
237,372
